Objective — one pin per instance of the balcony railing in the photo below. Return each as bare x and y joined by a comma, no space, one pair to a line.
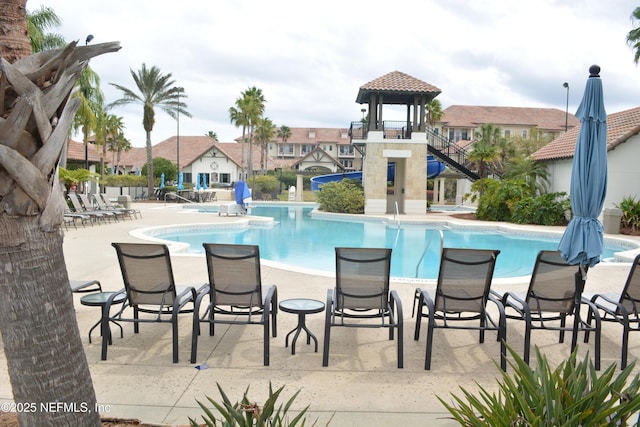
391,129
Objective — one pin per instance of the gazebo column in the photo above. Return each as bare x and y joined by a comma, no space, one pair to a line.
441,193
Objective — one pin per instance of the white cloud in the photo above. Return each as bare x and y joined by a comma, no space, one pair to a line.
310,58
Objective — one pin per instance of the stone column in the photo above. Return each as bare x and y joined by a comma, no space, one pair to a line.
299,189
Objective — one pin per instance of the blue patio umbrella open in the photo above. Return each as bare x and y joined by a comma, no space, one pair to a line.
582,242
180,183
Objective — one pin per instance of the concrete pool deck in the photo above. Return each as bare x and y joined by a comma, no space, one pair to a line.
361,385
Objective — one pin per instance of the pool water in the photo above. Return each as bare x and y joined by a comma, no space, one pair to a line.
299,240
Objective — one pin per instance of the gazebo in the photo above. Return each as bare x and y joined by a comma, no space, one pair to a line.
397,147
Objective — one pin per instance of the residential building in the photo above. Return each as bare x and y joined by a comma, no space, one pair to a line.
317,149
460,122
623,151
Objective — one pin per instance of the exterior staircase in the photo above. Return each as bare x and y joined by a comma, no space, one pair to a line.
449,153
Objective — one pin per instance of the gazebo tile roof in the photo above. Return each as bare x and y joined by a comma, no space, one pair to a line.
397,82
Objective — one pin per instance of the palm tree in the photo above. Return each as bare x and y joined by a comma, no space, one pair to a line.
109,126
265,129
490,136
434,112
633,38
155,90
284,133
211,134
255,110
483,152
534,174
45,357
38,22
238,118
118,145
91,103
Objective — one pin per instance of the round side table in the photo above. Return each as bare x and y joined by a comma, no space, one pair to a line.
301,307
99,299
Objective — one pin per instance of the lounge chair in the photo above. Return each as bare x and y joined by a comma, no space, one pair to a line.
104,203
554,293
110,205
150,288
79,209
361,298
73,218
623,308
235,293
88,207
83,286
102,207
461,297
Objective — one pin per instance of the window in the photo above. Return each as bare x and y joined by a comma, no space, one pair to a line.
458,134
312,134
305,149
225,178
285,149
524,133
346,150
348,164
507,133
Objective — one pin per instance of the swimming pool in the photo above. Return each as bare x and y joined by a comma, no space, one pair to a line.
297,239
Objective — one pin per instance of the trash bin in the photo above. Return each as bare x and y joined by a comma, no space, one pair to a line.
125,201
611,223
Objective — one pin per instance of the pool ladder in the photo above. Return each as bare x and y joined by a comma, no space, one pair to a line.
396,215
426,248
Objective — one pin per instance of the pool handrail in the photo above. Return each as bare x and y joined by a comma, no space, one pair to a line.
426,248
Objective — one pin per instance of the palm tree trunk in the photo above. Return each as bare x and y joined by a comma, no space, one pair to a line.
151,182
42,344
242,153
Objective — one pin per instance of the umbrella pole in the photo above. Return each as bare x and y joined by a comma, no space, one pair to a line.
580,279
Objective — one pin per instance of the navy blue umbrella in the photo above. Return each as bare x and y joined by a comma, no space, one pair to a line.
582,242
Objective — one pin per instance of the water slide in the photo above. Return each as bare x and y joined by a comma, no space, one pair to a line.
434,168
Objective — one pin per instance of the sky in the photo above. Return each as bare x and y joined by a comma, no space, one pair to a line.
310,58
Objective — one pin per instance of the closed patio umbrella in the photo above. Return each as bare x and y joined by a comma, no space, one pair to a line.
162,180
180,183
582,242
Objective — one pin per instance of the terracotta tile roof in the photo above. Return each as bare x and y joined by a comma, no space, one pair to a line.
620,127
400,86
470,116
75,152
191,149
320,135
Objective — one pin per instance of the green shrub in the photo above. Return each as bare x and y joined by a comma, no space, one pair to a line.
498,198
246,413
162,166
346,196
124,181
630,213
570,395
546,209
264,183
